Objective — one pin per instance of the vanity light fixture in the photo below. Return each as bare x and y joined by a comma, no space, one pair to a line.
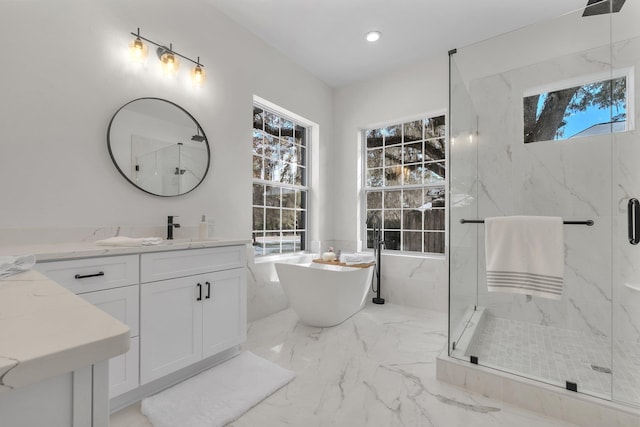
373,36
168,58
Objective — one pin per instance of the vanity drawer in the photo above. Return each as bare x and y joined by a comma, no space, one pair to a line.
92,274
168,265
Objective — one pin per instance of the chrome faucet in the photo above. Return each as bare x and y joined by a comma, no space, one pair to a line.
171,225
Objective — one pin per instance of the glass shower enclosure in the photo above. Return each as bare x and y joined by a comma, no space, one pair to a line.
543,123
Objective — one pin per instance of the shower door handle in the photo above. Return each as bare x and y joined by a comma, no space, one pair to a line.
633,221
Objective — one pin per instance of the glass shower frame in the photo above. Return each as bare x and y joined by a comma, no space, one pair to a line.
493,173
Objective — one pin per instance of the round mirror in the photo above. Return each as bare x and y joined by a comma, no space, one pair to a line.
158,147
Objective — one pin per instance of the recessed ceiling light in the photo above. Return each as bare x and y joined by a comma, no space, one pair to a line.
373,36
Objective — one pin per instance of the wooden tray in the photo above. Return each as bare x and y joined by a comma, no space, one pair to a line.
342,264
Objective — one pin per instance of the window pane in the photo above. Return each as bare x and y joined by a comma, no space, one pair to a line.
258,194
434,149
301,151
413,152
413,174
392,199
301,199
412,219
576,111
272,196
257,167
435,196
301,135
434,219
286,131
271,147
434,242
374,178
393,176
393,156
257,142
272,123
412,198
374,138
288,151
434,127
434,172
288,219
258,244
412,241
374,200
258,219
392,240
288,198
290,242
300,220
272,243
392,219
392,134
258,118
299,176
272,221
413,131
374,158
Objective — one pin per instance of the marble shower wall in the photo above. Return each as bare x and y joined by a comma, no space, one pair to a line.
570,178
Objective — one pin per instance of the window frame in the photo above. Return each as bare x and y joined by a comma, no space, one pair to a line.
424,186
586,79
303,189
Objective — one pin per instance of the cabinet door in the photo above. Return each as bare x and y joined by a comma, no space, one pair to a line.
224,311
121,303
170,326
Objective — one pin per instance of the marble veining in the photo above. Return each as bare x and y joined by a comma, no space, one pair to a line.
45,330
375,369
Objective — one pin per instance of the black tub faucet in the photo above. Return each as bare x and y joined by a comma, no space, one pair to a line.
171,225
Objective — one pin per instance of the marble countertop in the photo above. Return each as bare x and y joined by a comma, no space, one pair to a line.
46,330
75,250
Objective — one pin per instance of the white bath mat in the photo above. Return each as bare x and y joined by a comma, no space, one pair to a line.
217,396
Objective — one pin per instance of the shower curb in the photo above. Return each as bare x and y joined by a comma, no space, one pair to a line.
535,396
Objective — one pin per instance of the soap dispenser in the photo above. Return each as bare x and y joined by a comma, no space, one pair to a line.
203,229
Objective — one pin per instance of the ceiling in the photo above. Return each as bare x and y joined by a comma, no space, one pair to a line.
326,37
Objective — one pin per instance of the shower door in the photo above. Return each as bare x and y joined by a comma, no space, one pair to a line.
626,228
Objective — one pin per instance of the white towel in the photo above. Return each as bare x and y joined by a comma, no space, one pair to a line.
129,241
525,255
10,265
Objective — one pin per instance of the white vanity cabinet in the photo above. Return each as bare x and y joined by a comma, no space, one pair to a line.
192,306
111,284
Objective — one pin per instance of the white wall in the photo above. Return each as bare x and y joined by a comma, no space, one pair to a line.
420,89
66,72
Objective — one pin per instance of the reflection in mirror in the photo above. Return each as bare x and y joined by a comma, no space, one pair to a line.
158,147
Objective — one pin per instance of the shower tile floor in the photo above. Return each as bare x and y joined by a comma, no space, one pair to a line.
377,368
557,355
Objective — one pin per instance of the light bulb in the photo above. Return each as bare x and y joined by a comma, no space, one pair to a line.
170,63
138,50
198,75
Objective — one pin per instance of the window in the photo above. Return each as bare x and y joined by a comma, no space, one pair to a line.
574,109
405,184
279,183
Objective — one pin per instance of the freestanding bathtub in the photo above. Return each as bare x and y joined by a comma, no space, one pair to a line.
324,295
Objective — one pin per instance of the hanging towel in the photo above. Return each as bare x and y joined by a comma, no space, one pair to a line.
10,265
525,255
129,241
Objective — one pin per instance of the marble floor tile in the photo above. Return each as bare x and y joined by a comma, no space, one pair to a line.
375,369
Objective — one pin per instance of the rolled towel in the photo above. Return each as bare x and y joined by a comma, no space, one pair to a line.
10,265
129,241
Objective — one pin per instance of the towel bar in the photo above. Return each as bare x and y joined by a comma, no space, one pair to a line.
481,221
